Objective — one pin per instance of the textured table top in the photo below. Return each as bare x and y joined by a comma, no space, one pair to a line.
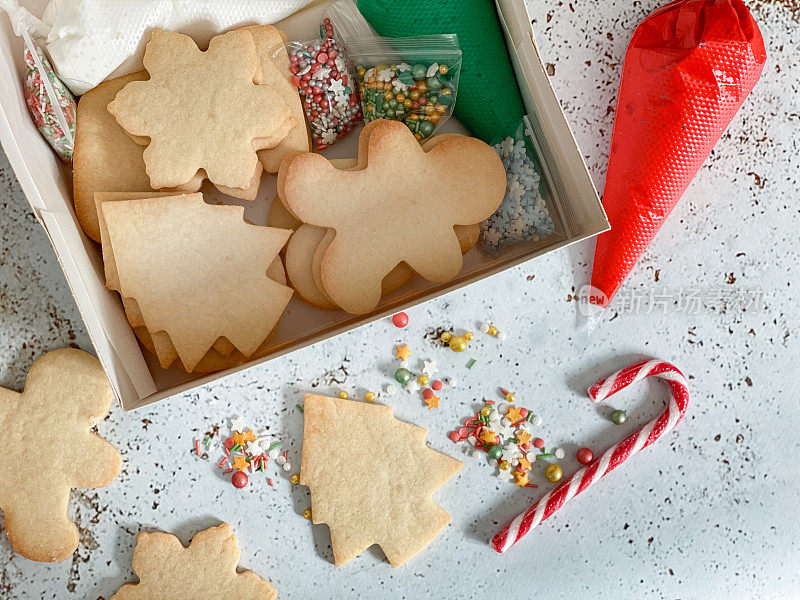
709,512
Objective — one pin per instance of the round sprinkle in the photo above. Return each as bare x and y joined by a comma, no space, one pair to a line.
502,336
307,514
446,335
463,432
511,397
454,437
400,320
492,330
468,336
239,479
423,380
369,396
427,393
437,385
559,453
452,381
538,443
619,417
553,473
536,421
391,389
295,479
585,456
343,395
484,328
458,343
403,376
287,466
502,409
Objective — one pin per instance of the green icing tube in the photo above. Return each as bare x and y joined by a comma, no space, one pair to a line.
488,101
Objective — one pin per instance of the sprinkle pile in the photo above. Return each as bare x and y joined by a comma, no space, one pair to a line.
523,214
246,452
504,433
324,77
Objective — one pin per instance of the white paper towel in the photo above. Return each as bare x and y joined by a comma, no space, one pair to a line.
91,39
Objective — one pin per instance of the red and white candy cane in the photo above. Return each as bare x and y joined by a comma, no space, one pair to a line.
614,456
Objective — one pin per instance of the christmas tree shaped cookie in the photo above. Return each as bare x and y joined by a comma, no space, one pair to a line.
49,448
371,478
197,272
206,569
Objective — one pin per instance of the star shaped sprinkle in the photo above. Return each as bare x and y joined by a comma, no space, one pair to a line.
66,394
207,568
523,438
240,462
238,423
249,436
430,368
382,498
524,463
489,437
504,474
514,414
411,387
254,448
403,352
201,110
432,402
521,479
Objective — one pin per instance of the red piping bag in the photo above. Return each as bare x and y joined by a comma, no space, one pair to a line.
689,67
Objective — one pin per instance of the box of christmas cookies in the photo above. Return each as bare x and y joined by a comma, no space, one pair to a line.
224,183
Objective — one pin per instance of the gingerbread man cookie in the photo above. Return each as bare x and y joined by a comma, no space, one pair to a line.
49,448
401,206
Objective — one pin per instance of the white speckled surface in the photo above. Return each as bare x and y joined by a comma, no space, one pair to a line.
709,512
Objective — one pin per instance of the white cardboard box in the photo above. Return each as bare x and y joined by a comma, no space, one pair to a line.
134,374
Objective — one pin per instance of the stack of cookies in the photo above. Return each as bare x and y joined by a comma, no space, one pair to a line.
364,227
227,115
200,286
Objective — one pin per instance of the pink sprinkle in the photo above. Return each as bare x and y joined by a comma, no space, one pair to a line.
269,481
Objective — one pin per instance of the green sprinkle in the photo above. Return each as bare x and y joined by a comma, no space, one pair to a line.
236,448
471,363
298,407
275,445
529,418
545,455
207,441
514,440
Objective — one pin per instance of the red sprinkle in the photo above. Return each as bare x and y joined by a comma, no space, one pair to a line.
269,481
239,479
226,471
454,437
222,462
400,320
538,443
585,456
463,432
437,385
427,393
229,443
197,447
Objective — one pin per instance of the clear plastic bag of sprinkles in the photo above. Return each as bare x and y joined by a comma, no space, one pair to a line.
524,214
412,79
325,79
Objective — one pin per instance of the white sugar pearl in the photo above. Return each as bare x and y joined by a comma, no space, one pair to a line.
559,453
514,462
452,381
391,390
280,459
484,328
531,456
493,462
476,453
274,453
502,409
536,421
502,336
287,466
472,440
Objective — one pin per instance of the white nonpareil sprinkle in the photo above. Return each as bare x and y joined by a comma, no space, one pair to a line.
484,328
451,381
391,390
502,336
559,453
287,466
280,459
536,421
274,453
